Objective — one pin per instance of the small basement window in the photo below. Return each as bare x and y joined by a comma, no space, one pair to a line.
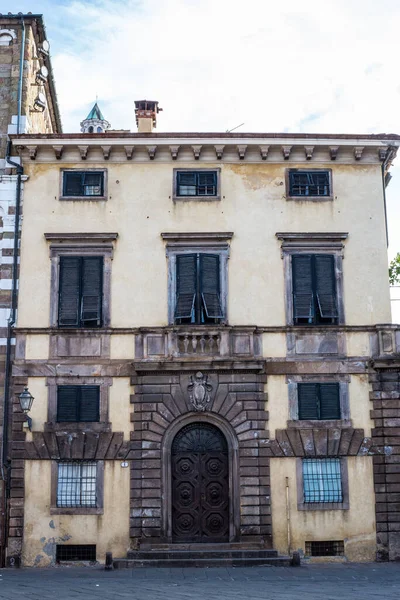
77,552
325,548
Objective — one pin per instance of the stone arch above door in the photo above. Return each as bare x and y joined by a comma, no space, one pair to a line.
233,461
232,400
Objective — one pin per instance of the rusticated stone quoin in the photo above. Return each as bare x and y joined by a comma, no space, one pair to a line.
385,400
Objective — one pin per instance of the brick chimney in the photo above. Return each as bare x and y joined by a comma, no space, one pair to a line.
146,115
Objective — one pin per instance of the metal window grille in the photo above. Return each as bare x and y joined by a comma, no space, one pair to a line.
76,486
309,183
322,480
75,552
325,548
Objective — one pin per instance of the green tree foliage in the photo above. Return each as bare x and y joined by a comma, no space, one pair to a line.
394,270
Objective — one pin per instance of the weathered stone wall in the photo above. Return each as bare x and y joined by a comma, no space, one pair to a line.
162,398
385,397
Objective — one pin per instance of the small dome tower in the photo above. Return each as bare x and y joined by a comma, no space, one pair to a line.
95,122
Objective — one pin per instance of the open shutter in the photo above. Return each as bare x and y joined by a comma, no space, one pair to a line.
209,285
68,306
303,300
187,183
330,401
92,291
67,403
89,403
207,184
92,184
73,183
185,286
326,286
308,401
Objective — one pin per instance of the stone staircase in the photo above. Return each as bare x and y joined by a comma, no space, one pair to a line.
202,555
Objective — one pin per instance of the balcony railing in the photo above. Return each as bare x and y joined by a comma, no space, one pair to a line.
197,342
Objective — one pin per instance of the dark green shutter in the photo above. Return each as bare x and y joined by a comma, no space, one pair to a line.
325,286
186,183
93,180
185,286
92,288
303,299
89,403
308,401
67,403
329,401
68,306
209,285
206,183
73,183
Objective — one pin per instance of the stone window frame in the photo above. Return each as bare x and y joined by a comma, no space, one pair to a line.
80,244
177,198
307,198
295,422
189,243
84,198
78,510
311,506
103,425
312,243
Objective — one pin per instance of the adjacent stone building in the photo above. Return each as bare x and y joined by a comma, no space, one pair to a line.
204,325
28,104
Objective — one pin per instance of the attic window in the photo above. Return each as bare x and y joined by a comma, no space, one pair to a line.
307,183
81,184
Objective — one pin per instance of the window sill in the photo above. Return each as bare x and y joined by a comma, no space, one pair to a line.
84,198
310,198
92,426
196,198
79,510
320,424
311,506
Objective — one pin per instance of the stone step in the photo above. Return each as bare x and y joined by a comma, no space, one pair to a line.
203,546
278,561
196,553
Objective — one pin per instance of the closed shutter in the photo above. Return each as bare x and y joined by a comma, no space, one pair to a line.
92,291
68,306
93,184
185,286
187,183
325,286
209,285
89,403
67,403
303,299
308,401
73,183
329,401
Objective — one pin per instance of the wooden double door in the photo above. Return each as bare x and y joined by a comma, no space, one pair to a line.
200,485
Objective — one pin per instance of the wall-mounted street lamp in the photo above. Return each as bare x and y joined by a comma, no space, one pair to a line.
25,399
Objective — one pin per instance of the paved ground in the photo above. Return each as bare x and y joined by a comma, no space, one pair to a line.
311,582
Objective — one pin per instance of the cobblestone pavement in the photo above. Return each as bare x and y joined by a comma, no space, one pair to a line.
311,582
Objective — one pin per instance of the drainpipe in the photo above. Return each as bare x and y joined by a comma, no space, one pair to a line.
391,151
289,540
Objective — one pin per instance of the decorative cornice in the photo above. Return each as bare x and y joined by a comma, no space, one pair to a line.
58,151
129,150
83,151
81,237
312,236
190,237
325,442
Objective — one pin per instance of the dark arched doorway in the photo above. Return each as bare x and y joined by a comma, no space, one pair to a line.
200,484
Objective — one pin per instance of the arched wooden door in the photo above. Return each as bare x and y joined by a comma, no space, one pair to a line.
200,485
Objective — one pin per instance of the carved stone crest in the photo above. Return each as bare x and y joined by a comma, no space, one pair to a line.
199,391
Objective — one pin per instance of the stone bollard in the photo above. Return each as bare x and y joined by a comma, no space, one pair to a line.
296,559
109,561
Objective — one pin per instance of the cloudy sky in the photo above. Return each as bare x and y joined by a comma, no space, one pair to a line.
309,66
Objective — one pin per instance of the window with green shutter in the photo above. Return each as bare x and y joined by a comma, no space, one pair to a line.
309,183
78,403
318,401
198,295
80,291
314,289
83,183
196,183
